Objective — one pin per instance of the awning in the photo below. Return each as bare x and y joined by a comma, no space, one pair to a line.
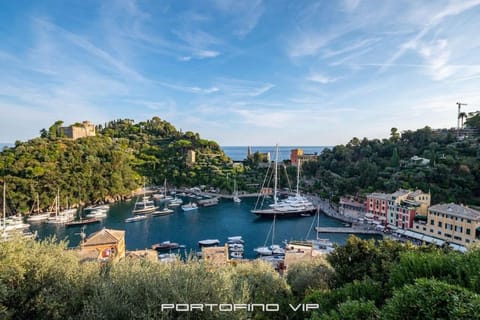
457,247
400,231
428,239
376,222
391,226
414,235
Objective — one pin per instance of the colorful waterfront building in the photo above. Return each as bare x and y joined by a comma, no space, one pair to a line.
404,205
377,206
457,224
298,154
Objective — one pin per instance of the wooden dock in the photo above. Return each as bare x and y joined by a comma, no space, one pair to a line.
348,230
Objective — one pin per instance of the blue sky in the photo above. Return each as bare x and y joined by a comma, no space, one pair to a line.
240,72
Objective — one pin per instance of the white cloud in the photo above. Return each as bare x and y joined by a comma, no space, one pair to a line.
320,78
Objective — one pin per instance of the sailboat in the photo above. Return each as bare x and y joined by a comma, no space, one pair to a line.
236,198
61,216
293,206
323,246
145,205
35,214
273,249
13,225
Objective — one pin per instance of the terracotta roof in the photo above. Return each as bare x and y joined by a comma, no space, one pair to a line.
104,236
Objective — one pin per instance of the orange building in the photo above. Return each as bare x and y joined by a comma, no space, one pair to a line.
104,245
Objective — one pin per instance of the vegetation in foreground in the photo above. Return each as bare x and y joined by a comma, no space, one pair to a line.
362,280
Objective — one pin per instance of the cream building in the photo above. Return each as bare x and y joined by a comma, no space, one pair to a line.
451,222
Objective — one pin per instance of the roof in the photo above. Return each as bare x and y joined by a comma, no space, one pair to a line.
456,210
416,193
379,195
104,236
400,192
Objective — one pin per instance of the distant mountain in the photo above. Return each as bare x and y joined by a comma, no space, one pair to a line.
4,144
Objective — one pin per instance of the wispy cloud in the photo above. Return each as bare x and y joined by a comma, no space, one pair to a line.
320,78
243,88
452,9
244,14
190,89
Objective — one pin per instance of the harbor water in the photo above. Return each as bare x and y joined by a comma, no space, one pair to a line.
239,153
187,228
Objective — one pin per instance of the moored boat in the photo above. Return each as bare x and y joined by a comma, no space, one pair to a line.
136,218
165,245
190,207
208,242
82,222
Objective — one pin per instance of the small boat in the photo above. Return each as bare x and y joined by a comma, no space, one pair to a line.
97,213
136,218
208,202
165,245
208,242
236,198
173,205
82,222
237,255
163,212
263,251
168,257
190,207
235,238
105,207
35,214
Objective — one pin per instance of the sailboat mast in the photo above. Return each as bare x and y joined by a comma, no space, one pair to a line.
273,229
4,203
298,175
57,203
275,176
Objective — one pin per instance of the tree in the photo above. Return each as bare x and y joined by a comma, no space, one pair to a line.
473,120
394,135
432,299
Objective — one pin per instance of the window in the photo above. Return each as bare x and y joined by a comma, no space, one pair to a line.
469,221
432,222
440,224
457,238
416,227
431,230
424,229
448,235
440,233
467,240
467,231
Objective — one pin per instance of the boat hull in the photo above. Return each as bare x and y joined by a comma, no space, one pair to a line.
270,213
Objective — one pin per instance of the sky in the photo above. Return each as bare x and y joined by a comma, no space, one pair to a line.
247,72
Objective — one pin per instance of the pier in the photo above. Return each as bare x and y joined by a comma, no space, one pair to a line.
348,230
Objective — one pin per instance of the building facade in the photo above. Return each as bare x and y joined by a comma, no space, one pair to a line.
298,154
404,205
451,222
76,131
104,245
377,206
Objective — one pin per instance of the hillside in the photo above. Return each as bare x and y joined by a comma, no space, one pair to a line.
109,165
450,168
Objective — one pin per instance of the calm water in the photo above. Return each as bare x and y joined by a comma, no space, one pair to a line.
240,153
218,222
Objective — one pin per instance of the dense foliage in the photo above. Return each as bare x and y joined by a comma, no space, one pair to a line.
110,165
364,166
44,280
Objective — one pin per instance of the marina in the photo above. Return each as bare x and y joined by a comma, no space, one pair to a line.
225,221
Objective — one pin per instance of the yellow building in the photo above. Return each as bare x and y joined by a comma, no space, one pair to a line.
104,245
451,222
216,255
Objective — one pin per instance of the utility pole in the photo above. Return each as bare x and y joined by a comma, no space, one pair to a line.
459,104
